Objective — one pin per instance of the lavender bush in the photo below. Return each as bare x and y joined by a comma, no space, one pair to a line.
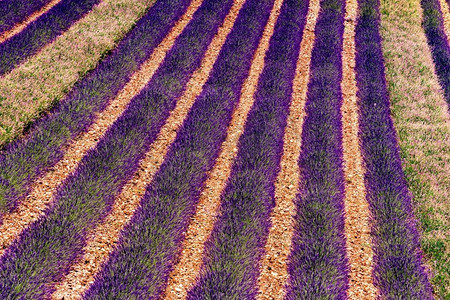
438,41
24,160
398,270
318,264
45,250
139,267
16,11
236,245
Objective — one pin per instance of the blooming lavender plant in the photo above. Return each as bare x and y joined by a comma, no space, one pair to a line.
318,264
398,270
41,32
16,11
438,41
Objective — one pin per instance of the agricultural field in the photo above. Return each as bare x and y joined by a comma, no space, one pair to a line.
225,149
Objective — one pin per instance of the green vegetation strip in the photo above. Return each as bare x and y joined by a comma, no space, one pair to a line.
32,88
422,122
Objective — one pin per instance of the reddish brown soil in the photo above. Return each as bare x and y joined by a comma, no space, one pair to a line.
274,273
357,230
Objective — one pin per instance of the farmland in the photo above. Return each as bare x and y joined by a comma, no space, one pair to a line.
206,149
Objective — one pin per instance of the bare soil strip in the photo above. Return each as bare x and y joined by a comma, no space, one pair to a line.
446,17
186,271
22,25
357,229
42,190
103,239
274,273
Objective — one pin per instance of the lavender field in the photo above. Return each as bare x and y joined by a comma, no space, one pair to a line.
205,149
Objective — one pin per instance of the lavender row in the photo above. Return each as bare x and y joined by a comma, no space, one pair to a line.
236,245
41,32
24,160
45,250
139,267
16,11
398,270
438,41
318,264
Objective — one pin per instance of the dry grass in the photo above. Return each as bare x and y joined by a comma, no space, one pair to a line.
423,126
43,80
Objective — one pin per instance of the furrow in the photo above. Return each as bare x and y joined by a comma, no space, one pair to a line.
187,269
141,263
274,274
23,161
42,31
438,41
318,264
9,30
42,190
357,214
103,239
86,196
398,269
233,251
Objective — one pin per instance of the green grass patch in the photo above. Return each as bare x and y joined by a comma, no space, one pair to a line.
423,126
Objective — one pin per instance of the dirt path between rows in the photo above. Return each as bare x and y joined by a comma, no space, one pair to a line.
357,229
274,273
